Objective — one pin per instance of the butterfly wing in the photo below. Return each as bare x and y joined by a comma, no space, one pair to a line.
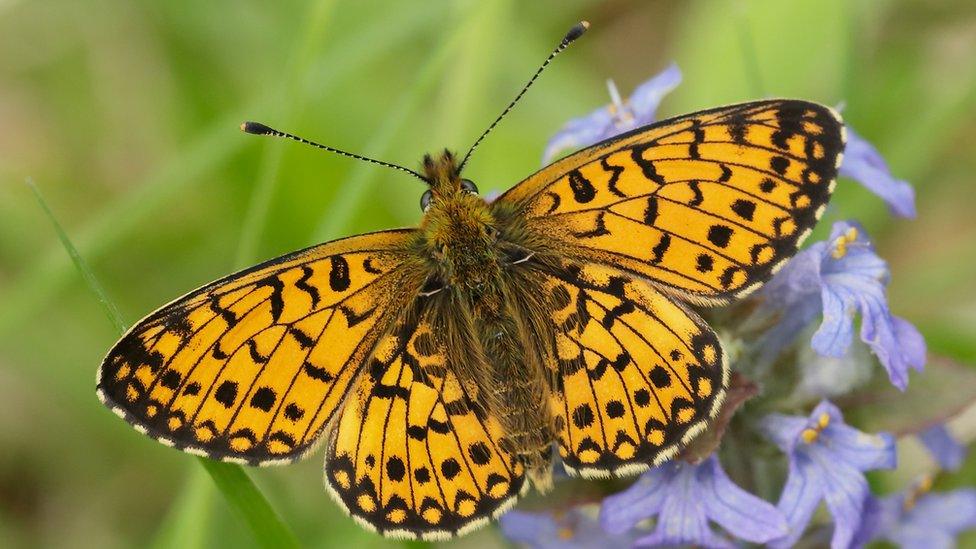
413,454
250,368
707,205
638,373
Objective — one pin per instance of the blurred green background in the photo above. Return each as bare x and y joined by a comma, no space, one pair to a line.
125,113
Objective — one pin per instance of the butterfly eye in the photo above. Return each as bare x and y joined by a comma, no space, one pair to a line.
425,200
468,185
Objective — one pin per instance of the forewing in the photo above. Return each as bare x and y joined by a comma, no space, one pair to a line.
413,454
708,205
638,374
251,367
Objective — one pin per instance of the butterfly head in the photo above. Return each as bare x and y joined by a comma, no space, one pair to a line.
458,226
444,178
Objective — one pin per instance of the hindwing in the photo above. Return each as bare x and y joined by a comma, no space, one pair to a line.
414,454
637,374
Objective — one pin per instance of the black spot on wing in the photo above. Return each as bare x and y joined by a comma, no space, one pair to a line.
226,394
352,317
303,285
583,190
301,337
294,412
646,166
615,172
583,416
744,208
779,164
661,247
369,267
263,399
171,379
599,229
276,298
650,210
719,235
339,274
555,202
698,198
317,373
726,174
704,263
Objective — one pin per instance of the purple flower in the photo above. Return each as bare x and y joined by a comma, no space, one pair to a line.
616,118
827,459
840,277
684,498
863,163
919,520
576,528
946,450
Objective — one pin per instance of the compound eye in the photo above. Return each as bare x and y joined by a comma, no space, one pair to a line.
468,185
425,200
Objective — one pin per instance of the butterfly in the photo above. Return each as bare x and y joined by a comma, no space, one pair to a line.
440,364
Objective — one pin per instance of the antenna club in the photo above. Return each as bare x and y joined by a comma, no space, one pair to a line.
575,32
256,128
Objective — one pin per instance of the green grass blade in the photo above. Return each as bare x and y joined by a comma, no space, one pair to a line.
243,496
185,526
248,503
38,282
111,311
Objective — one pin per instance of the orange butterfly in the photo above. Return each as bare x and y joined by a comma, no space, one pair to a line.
441,363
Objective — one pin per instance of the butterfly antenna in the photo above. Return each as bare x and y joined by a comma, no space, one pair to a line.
574,33
258,128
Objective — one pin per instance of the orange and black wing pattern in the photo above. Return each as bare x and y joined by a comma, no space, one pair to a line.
637,374
251,368
707,205
413,454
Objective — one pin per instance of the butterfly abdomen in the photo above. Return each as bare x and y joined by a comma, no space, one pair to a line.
512,382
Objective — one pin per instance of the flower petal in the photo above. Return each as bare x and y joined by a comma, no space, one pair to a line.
800,498
845,493
640,109
944,448
575,528
784,430
913,348
863,163
579,133
647,97
952,512
864,451
620,512
918,537
835,333
683,520
742,514
529,528
877,515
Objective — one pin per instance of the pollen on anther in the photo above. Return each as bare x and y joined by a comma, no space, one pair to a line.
840,246
810,435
